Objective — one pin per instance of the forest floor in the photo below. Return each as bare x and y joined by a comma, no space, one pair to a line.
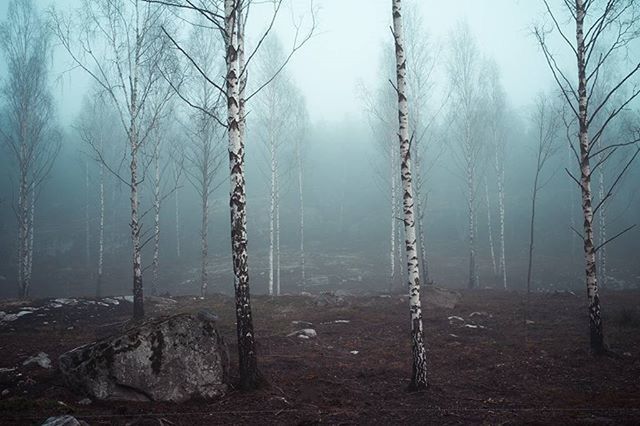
486,366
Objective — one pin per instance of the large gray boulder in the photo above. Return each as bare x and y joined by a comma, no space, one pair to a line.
170,359
439,297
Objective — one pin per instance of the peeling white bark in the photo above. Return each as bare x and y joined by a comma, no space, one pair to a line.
234,40
419,370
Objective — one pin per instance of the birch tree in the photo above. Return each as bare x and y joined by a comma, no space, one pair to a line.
119,44
301,124
204,154
95,128
29,132
546,123
603,33
229,18
497,109
464,70
419,370
273,104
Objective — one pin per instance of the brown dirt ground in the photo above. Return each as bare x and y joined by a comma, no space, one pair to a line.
505,372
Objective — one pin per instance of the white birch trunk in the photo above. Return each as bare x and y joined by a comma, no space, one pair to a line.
301,203
177,215
277,234
29,268
394,215
503,261
473,281
87,229
234,34
595,319
490,228
204,237
419,370
272,209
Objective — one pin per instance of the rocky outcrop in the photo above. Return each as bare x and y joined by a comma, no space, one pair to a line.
170,359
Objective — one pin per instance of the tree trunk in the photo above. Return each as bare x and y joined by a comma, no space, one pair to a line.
301,202
602,225
531,230
394,215
595,320
419,370
272,209
503,261
204,238
100,235
87,229
234,28
177,210
23,237
156,220
490,228
277,235
473,282
138,296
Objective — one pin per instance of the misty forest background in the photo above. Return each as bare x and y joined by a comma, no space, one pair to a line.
347,208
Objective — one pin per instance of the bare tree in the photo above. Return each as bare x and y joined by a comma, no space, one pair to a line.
301,124
29,132
273,105
497,109
120,45
546,123
603,33
464,69
419,370
95,127
229,18
204,155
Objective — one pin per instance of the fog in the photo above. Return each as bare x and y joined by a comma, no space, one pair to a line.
339,73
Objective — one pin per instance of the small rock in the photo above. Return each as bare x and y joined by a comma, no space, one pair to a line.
42,359
354,352
455,318
627,354
66,420
529,322
302,323
85,401
479,314
302,336
308,332
5,392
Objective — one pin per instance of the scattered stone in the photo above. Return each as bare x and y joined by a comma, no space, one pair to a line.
65,301
354,352
85,401
66,420
455,318
168,359
627,354
529,322
480,314
453,335
110,301
307,332
474,326
302,336
5,392
302,323
42,359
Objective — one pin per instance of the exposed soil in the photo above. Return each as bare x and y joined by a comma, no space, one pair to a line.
485,367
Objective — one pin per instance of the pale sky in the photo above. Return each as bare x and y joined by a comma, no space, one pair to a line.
346,49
